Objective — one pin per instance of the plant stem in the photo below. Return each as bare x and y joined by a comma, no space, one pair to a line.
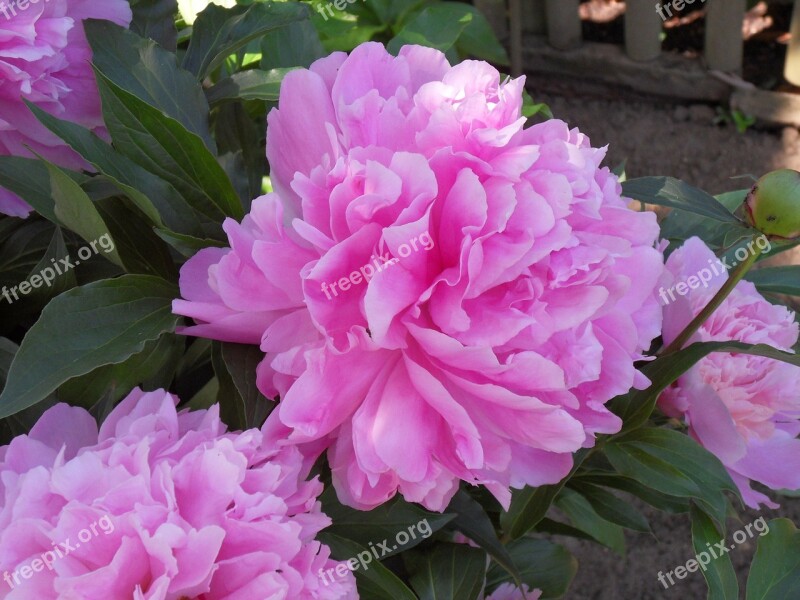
733,280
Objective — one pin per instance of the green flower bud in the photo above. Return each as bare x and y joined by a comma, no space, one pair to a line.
773,205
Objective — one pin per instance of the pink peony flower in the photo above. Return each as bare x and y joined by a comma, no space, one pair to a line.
508,591
742,408
45,59
441,295
158,505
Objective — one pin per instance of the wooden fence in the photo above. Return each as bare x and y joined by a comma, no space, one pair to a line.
559,20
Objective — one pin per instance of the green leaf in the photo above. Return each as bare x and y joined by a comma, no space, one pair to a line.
188,245
531,108
718,573
117,380
680,225
344,30
542,564
22,422
665,502
156,198
392,11
56,251
583,516
85,328
478,39
156,19
29,179
296,45
248,85
636,407
140,249
75,210
673,463
163,146
385,522
375,581
530,505
473,522
219,32
142,68
674,193
238,134
28,247
612,508
777,280
437,26
448,572
241,361
775,572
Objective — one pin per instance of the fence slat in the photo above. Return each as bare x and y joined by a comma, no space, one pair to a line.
642,30
724,49
792,68
515,42
534,17
495,13
563,23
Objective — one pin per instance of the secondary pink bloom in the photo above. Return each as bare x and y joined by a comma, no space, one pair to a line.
45,59
158,505
508,591
742,408
441,294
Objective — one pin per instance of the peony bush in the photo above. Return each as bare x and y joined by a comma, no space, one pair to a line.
367,322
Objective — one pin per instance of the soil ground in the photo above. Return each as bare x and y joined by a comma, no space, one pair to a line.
684,142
